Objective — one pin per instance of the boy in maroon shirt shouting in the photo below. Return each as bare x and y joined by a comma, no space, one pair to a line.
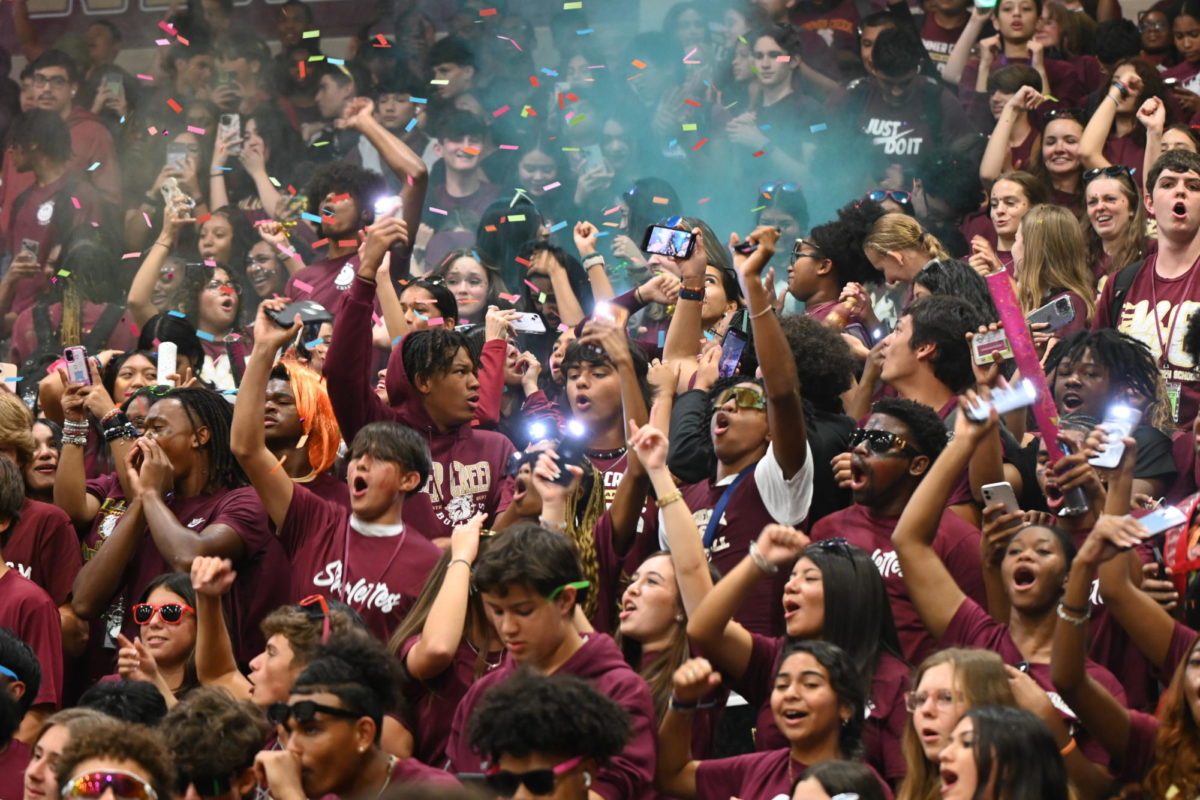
366,555
530,579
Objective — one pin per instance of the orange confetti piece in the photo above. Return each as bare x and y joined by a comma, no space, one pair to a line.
203,219
487,12
533,81
759,153
490,228
174,105
523,262
347,242
471,151
320,243
662,201
693,103
638,64
700,144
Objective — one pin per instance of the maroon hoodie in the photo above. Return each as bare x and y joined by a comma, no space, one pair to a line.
630,775
469,465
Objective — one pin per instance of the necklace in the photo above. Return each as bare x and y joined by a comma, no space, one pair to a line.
388,779
605,455
346,565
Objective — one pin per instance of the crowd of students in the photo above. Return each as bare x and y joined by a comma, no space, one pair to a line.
608,416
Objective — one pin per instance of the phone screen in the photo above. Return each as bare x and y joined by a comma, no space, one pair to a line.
731,353
672,242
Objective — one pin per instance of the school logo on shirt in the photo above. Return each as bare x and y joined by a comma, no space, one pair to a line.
1166,323
887,134
45,212
720,543
363,593
345,277
467,482
198,521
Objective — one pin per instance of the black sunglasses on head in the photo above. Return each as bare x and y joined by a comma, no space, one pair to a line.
1111,171
1064,113
304,711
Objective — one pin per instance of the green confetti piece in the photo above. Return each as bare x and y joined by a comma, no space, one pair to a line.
577,118
542,295
689,126
516,218
311,35
571,6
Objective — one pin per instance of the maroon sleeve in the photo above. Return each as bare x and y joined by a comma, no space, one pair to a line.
963,560
1138,756
539,406
722,778
1181,644
458,750
491,381
308,515
628,301
971,626
24,338
630,774
92,143
243,511
755,683
347,367
60,556
1103,319
41,629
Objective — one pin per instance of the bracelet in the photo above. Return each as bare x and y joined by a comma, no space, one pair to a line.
125,431
458,561
1067,617
758,314
112,413
592,259
163,246
1121,87
78,441
681,708
1068,748
637,295
75,427
667,499
691,294
113,419
760,560
1074,609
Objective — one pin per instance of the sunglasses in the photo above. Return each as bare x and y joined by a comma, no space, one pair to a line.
205,785
880,442
743,397
539,781
798,253
316,608
124,785
304,711
771,187
897,195
1111,171
838,544
170,613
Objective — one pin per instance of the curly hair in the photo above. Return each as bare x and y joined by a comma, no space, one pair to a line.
957,278
1129,363
928,431
316,414
1177,743
120,741
847,683
432,352
527,555
359,671
824,362
210,733
559,715
841,241
303,632
207,409
16,426
362,185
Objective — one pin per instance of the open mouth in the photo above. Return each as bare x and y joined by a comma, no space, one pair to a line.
358,487
858,474
1179,210
949,778
582,402
473,401
1054,495
720,423
1071,402
790,607
794,717
930,735
1024,577
45,469
627,609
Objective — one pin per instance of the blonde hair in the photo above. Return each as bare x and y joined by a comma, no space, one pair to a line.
16,426
895,231
983,681
1054,259
1130,245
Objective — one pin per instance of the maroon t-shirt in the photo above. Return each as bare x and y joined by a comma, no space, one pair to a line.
432,703
956,543
895,131
837,26
1156,311
378,576
13,760
324,281
43,547
1187,74
939,41
972,626
887,715
411,770
330,488
1139,755
25,336
29,612
755,775
744,518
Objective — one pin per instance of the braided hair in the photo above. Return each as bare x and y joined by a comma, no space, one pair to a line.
432,351
207,409
1128,361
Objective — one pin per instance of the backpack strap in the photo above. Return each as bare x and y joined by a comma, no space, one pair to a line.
1122,280
41,323
104,327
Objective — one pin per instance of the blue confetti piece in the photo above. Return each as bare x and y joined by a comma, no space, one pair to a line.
662,338
419,99
672,143
598,235
334,60
550,72
179,314
583,32
310,217
93,167
396,341
558,226
673,221
709,336
764,127
208,337
13,379
412,123
313,343
820,126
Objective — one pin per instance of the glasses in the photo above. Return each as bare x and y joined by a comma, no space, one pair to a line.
1149,27
1112,171
304,711
41,81
771,187
743,397
797,253
880,442
317,608
124,785
898,195
205,785
538,781
1064,113
170,613
943,699
220,286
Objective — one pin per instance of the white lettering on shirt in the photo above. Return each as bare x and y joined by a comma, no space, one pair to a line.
197,522
888,563
26,571
363,593
887,133
1154,327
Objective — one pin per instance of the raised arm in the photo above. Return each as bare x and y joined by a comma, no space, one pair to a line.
997,157
1152,115
711,627
443,631
593,262
102,574
930,585
215,662
70,479
961,53
142,289
684,332
1091,145
785,410
546,262
248,438
676,772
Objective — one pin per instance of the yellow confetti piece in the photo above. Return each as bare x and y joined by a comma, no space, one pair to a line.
440,82
572,6
689,126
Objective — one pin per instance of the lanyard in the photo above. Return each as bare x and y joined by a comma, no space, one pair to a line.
714,521
1187,293
346,562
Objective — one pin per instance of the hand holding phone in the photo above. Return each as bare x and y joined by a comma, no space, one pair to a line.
671,242
77,366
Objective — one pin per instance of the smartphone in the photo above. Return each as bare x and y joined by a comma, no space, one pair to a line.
388,206
167,362
113,82
593,158
1119,422
171,192
671,242
745,248
528,322
986,346
1001,492
571,450
231,124
1162,520
177,155
1058,314
731,352
30,246
1019,395
310,311
77,366
988,4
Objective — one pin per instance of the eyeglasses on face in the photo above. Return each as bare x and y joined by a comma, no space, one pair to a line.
896,195
880,442
943,699
304,711
41,81
217,286
124,786
798,253
743,397
538,781
170,613
1153,26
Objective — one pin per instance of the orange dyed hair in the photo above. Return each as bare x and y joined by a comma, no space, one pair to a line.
316,416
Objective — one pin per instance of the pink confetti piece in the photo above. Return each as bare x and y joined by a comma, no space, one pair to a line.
302,286
562,326
142,77
168,27
436,321
146,217
162,42
131,255
550,186
510,41
612,210
512,298
691,53
153,131
195,130
75,202
533,286
208,262
500,111
443,212
510,147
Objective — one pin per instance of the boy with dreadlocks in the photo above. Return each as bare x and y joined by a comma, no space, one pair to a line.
434,385
189,499
360,549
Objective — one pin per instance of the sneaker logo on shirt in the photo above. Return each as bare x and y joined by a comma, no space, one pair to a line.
196,521
894,141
